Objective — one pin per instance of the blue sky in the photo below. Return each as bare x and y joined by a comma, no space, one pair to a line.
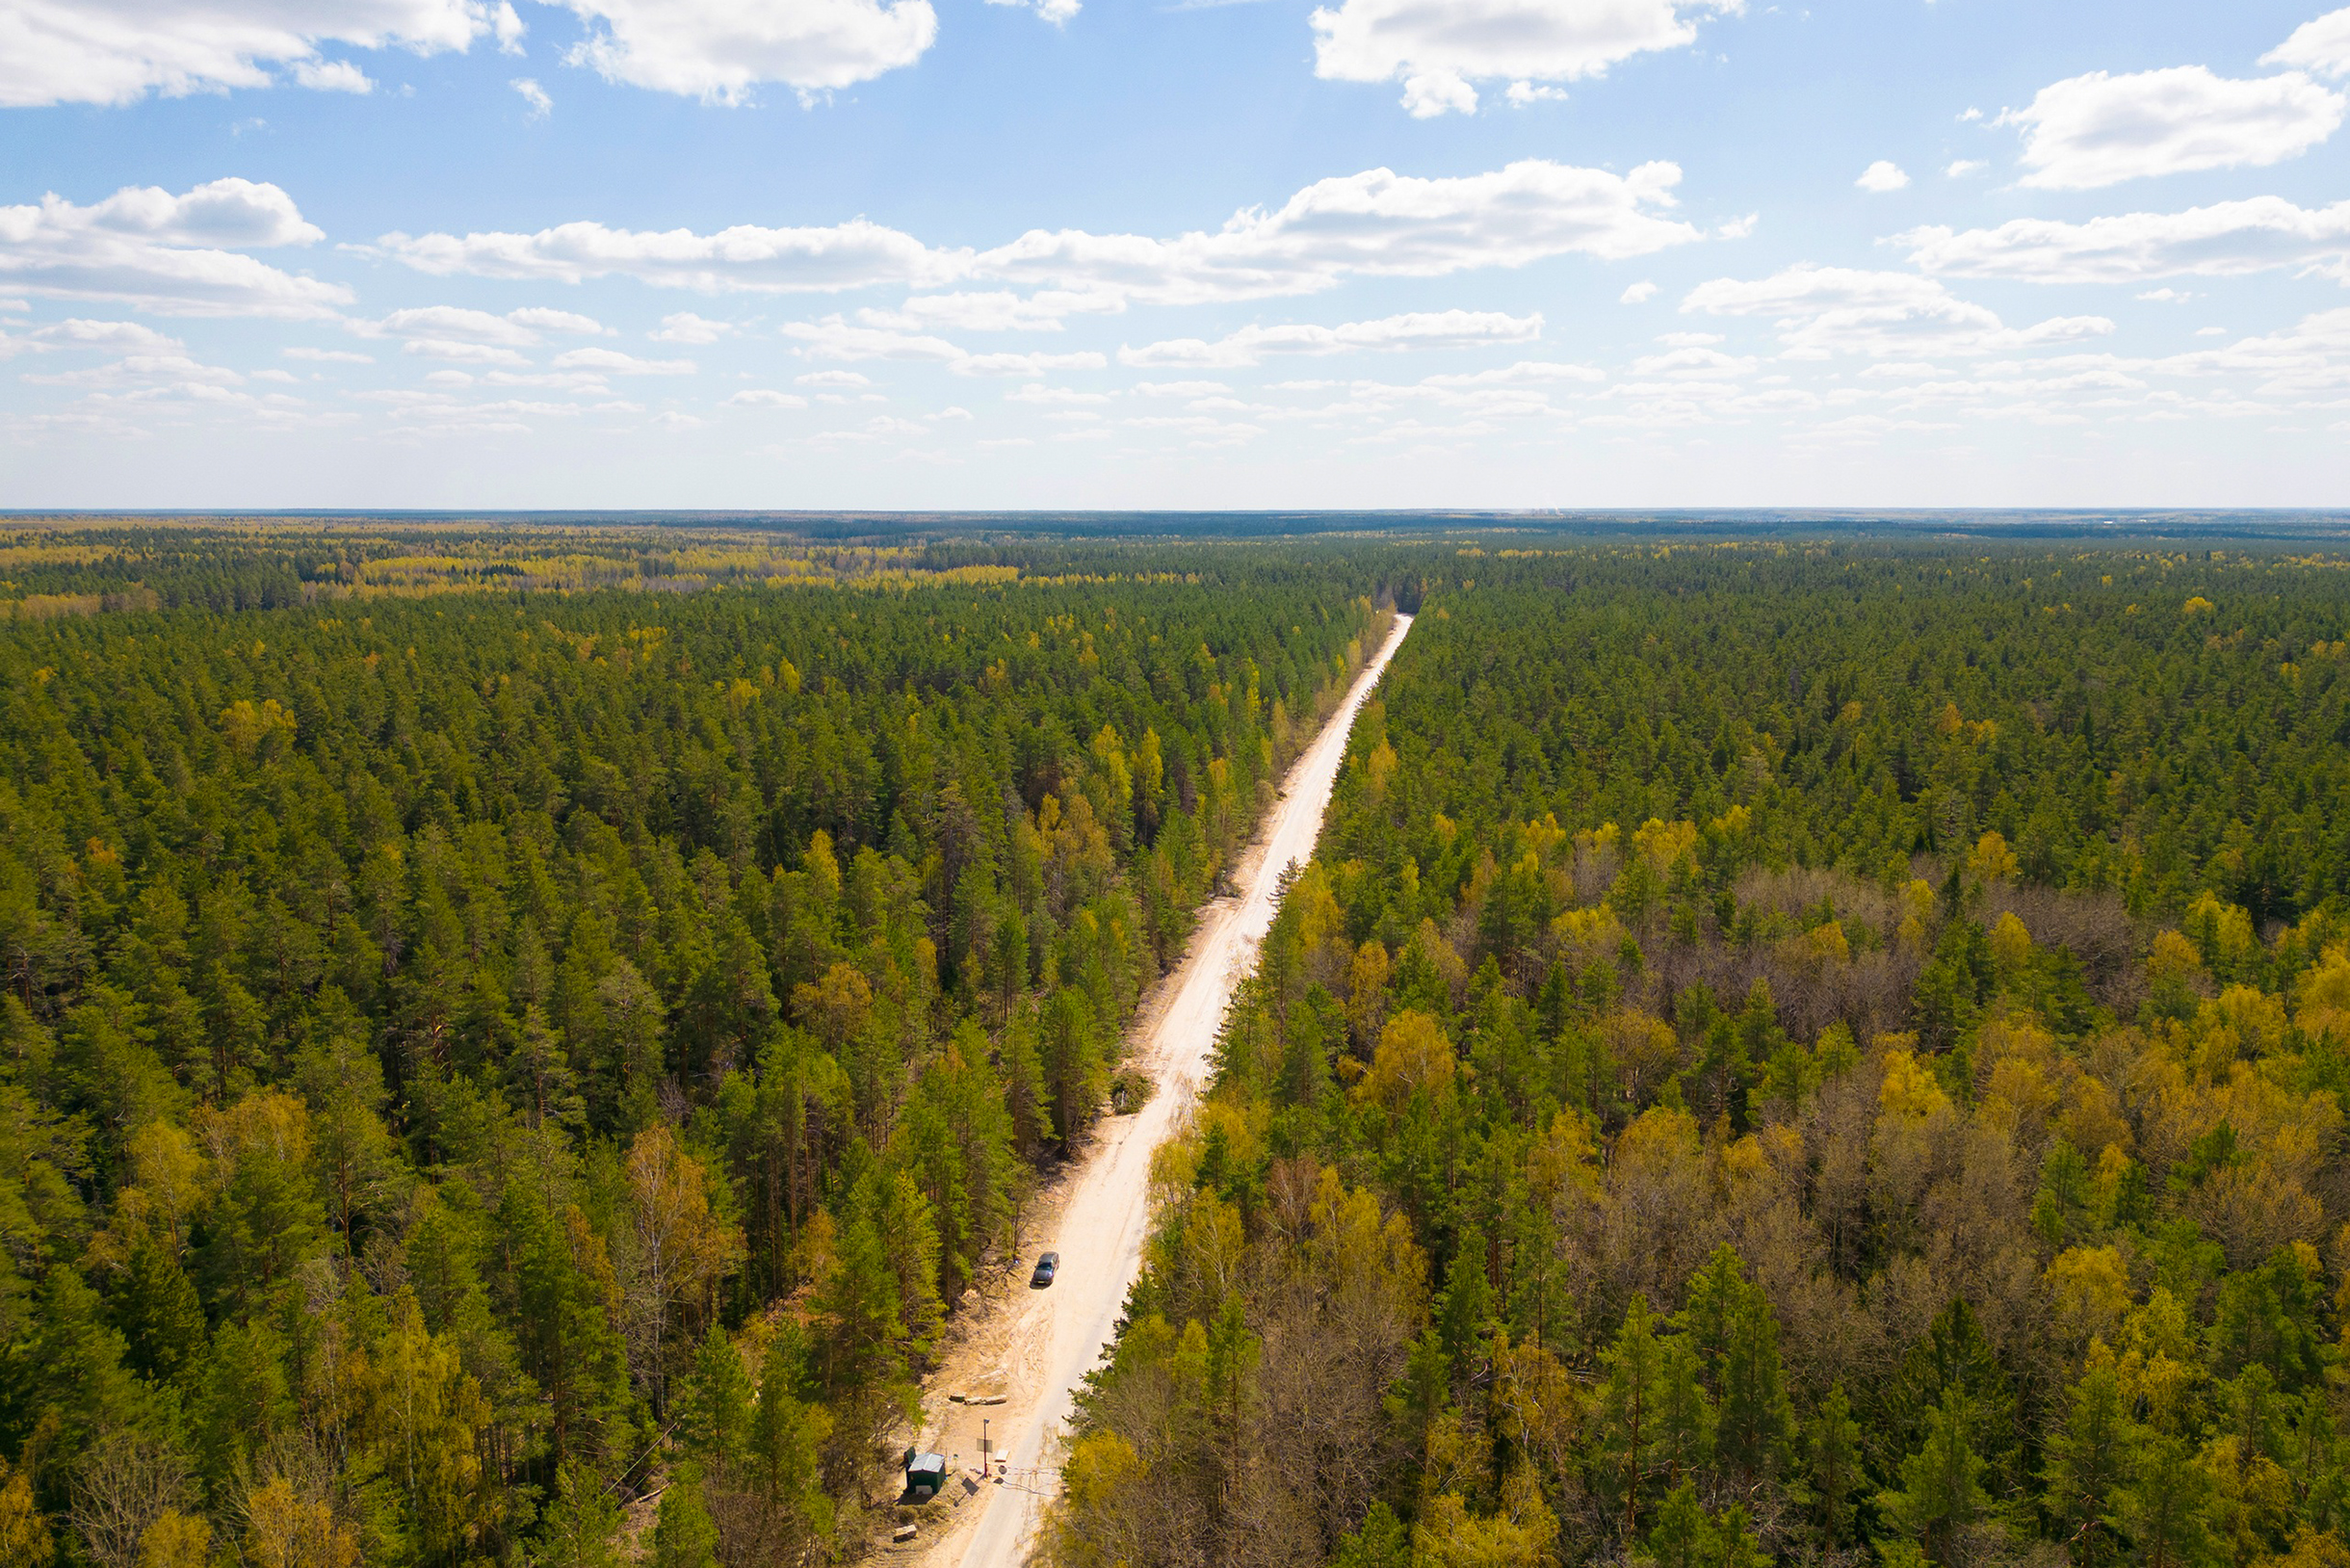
953,254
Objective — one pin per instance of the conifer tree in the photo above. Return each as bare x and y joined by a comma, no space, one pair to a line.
1684,1412
1380,1541
579,1526
1467,1306
788,1438
1731,1543
1831,1454
1941,1485
2163,1510
713,1410
159,1313
1738,1335
2088,1458
1677,1533
682,1536
1627,1428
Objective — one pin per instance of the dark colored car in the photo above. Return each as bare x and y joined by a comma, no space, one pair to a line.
1046,1268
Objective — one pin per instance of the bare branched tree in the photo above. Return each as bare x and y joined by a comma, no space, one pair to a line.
124,1484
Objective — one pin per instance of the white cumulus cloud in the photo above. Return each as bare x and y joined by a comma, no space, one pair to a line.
745,258
544,320
1882,177
1429,329
1694,361
994,311
114,337
1055,11
542,105
2322,46
613,362
685,327
721,51
2098,130
1179,389
837,338
1525,373
456,324
2224,239
1821,311
477,337
332,76
1439,51
176,255
1037,392
1025,364
449,324
1375,224
115,51
175,371
463,351
1637,294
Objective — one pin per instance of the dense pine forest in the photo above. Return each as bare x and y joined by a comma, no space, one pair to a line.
517,1043
1824,1055
500,1023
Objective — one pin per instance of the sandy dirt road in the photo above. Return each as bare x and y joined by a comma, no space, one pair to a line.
1033,1348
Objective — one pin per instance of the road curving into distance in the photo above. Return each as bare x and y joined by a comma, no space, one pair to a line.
1060,1333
